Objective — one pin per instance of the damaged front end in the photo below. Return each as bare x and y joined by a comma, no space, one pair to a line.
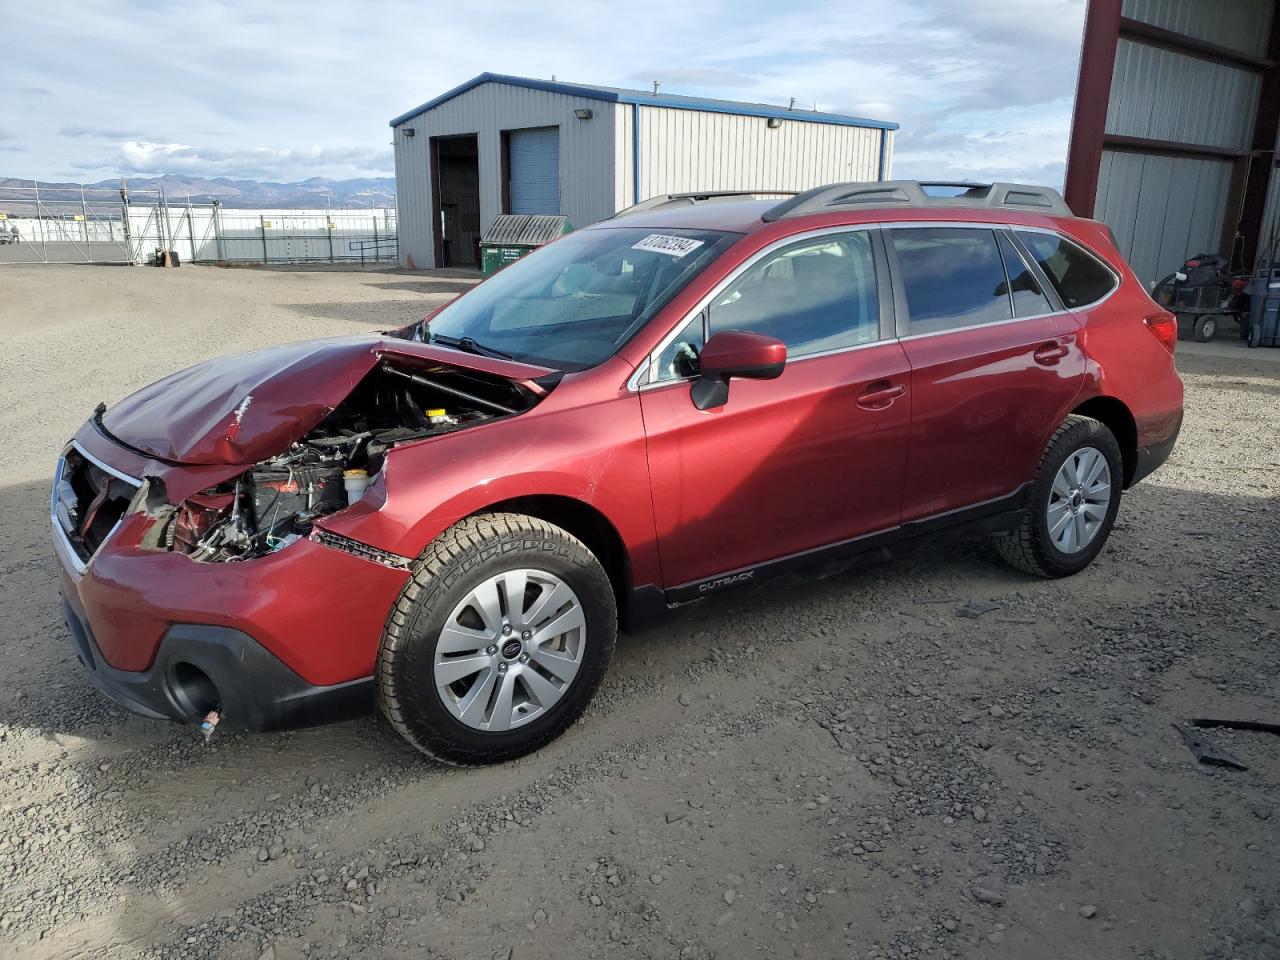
197,578
333,465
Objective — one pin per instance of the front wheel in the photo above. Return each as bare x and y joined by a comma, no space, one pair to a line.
1206,328
498,641
1073,502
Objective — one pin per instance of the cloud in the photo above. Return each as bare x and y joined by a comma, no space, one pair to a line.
692,77
975,86
141,156
97,133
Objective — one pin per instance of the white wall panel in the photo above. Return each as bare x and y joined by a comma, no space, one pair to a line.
680,150
683,150
1162,209
1163,95
1236,24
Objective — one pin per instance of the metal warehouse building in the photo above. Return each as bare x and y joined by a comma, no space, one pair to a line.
500,144
1173,144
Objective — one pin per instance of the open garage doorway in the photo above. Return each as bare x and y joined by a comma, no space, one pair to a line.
455,181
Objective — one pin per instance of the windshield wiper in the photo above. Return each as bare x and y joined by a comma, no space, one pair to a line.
470,346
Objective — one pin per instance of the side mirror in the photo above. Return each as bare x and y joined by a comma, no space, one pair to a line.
735,353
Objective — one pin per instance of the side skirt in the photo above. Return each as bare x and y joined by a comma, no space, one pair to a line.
994,516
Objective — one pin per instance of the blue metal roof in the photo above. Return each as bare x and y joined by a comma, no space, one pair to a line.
647,99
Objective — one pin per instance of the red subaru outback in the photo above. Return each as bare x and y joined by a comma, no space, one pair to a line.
456,517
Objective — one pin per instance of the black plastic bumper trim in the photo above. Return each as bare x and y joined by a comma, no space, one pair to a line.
255,689
992,516
1151,458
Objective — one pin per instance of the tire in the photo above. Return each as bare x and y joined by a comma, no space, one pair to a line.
1032,546
478,558
1206,328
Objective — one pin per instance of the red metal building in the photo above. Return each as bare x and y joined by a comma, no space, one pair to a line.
1173,142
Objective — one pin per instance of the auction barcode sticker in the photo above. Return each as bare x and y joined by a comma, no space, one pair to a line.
673,246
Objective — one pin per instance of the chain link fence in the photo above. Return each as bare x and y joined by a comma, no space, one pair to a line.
81,224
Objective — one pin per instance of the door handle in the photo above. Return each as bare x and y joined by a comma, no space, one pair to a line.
1050,353
880,395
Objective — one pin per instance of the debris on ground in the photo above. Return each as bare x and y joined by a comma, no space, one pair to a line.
1254,725
209,724
1206,752
976,608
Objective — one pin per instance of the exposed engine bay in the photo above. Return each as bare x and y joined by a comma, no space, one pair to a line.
279,499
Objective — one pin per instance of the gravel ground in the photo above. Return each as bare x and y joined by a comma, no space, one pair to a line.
849,767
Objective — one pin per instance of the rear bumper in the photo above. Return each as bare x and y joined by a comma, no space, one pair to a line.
1152,457
198,667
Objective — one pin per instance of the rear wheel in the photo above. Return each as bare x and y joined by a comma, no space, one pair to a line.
1206,328
1072,504
498,641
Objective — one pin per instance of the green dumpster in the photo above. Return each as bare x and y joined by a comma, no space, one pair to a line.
514,234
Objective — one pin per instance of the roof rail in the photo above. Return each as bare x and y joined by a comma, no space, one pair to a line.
915,193
700,196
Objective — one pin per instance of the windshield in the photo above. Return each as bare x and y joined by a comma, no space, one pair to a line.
571,304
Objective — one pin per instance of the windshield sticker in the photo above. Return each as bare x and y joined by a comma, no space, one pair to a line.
672,246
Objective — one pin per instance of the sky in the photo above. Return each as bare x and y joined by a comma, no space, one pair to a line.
287,90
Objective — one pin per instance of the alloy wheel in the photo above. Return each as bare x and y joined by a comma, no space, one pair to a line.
510,649
1078,500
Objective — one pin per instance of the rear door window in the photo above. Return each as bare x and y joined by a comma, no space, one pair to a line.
953,277
1078,277
1028,299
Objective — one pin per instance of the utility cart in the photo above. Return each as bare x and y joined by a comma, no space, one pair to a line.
1201,295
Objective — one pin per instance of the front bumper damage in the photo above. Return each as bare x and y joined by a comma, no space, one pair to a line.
199,667
281,640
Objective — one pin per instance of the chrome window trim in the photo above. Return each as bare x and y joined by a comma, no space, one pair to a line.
1115,275
61,541
978,326
1047,289
645,387
1014,228
641,372
634,383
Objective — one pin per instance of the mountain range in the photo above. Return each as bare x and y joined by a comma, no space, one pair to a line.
315,192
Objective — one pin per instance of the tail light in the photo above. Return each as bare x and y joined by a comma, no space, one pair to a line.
1164,327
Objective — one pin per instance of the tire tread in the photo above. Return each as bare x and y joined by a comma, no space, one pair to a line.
1022,548
463,542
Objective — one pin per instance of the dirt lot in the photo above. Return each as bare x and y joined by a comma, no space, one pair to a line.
837,768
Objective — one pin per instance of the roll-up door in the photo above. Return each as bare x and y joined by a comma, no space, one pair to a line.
535,170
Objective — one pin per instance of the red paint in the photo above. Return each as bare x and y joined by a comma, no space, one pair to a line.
1093,93
835,447
784,466
309,605
736,351
985,390
242,409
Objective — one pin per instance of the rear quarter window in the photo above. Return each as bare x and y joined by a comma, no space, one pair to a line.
1078,276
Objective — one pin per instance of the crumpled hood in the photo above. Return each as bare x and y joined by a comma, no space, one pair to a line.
246,408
